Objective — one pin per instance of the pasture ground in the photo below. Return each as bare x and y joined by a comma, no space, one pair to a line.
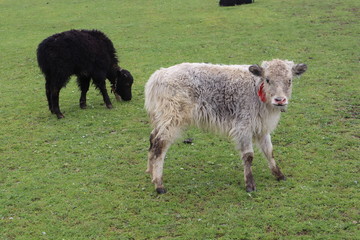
83,177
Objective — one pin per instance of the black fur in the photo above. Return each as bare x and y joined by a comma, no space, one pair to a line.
226,3
88,54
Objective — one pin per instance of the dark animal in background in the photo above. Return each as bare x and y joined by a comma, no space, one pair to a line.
88,54
227,3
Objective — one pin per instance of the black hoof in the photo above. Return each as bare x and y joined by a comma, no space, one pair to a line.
250,189
60,116
161,190
83,106
281,178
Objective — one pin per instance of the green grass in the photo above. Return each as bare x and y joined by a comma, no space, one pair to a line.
83,177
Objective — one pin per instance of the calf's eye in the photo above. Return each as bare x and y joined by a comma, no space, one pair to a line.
267,80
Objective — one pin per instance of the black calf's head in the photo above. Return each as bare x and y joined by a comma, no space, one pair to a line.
124,82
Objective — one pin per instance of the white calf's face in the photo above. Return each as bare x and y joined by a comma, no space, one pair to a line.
276,84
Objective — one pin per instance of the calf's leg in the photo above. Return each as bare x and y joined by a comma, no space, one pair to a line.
248,176
151,150
267,148
247,151
48,96
99,82
55,92
160,141
84,83
156,162
53,86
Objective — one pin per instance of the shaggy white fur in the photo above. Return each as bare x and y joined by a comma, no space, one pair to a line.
222,98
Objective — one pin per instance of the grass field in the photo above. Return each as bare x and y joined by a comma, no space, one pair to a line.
83,177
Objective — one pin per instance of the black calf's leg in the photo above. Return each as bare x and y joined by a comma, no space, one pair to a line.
55,102
48,96
84,83
100,83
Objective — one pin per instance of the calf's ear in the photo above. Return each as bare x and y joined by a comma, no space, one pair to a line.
121,74
299,69
256,70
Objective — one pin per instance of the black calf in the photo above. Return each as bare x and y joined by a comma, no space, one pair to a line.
226,3
88,54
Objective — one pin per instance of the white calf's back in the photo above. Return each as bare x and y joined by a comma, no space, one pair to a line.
221,97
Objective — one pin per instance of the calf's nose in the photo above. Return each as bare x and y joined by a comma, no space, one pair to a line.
280,100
